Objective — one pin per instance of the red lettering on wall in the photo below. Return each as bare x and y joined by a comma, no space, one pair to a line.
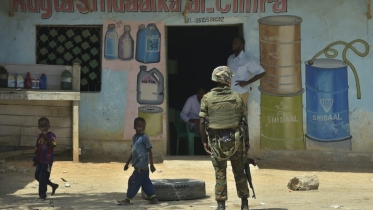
175,6
255,6
220,9
121,6
193,6
56,5
118,7
240,6
20,3
248,6
131,6
154,8
102,5
162,6
262,5
280,6
46,6
82,6
145,6
94,5
235,8
33,6
202,4
67,6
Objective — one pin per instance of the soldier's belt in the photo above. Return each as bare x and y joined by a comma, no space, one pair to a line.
225,135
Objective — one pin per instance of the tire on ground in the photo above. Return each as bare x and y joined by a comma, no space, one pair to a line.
177,189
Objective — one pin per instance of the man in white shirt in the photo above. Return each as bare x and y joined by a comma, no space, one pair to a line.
245,69
192,107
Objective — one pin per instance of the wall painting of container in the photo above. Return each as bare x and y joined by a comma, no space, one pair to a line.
281,89
328,125
150,86
148,46
144,95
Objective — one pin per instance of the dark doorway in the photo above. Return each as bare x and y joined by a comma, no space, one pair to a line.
194,52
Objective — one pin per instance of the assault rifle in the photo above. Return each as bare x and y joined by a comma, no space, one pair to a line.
248,174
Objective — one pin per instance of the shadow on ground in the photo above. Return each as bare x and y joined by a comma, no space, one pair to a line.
83,200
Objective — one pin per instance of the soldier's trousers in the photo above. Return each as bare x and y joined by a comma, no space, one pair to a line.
221,176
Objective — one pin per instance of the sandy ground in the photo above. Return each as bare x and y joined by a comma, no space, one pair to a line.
98,184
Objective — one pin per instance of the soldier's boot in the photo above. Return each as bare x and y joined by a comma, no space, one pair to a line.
221,205
244,204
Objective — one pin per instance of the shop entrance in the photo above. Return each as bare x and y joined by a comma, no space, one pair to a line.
193,52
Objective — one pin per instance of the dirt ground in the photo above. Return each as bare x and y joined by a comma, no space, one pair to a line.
97,184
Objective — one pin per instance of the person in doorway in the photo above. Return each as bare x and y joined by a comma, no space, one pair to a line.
223,118
140,156
245,69
190,112
43,157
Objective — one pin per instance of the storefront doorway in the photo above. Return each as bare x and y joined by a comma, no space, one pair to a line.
193,52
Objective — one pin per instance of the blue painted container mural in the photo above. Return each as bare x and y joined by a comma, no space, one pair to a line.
148,44
111,43
327,98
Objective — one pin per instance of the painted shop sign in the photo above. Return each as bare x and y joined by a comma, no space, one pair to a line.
47,7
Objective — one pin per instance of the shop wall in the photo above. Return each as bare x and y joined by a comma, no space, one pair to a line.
106,117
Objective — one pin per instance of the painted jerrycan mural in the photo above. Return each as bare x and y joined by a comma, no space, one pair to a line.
150,86
148,44
327,98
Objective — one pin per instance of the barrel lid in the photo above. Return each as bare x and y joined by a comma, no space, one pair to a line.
327,63
150,109
280,20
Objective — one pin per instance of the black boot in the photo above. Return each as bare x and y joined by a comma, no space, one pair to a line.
221,205
244,204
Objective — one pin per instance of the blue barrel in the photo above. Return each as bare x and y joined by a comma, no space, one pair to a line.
327,100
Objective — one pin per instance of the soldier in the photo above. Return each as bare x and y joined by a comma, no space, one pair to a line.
224,135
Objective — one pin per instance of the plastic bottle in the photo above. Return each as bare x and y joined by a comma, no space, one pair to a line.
111,43
126,44
43,82
140,43
66,80
28,81
37,86
11,81
33,83
3,77
20,81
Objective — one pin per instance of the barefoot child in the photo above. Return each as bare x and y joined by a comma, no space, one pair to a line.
43,157
141,150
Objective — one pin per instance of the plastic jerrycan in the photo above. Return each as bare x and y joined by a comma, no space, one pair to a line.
150,86
66,80
3,77
148,44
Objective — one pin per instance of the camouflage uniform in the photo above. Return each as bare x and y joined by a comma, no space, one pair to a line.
221,151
